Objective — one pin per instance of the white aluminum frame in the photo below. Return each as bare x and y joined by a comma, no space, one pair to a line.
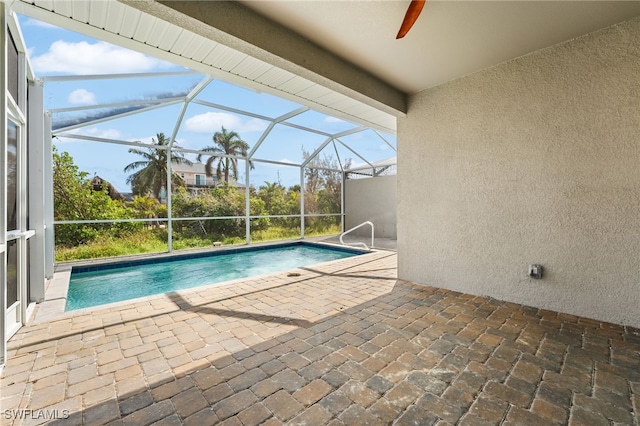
191,98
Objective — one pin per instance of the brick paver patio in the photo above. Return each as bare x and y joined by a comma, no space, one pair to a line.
343,343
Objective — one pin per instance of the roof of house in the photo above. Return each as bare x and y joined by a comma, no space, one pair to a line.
198,168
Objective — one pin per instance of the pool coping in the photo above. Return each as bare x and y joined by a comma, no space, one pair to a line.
113,263
53,307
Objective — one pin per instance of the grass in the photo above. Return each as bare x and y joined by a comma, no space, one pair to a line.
275,233
325,230
155,241
149,241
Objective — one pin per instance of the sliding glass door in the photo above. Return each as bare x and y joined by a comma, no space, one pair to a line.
14,188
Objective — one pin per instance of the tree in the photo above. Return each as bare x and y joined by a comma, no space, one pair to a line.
280,201
322,189
274,196
151,174
76,198
225,144
225,201
146,207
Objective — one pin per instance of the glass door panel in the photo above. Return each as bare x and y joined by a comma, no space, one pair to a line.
14,280
12,273
12,316
12,176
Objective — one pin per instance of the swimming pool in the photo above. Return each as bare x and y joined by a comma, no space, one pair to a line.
101,284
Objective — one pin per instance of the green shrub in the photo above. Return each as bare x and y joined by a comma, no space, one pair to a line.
76,199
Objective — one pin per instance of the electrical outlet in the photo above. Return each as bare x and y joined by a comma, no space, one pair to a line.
535,271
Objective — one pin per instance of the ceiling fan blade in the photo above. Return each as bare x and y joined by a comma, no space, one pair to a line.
410,17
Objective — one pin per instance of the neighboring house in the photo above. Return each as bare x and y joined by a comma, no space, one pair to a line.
98,184
196,179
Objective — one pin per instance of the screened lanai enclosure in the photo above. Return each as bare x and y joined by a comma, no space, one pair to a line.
218,165
175,158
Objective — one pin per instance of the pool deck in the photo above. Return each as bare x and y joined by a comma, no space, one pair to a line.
344,342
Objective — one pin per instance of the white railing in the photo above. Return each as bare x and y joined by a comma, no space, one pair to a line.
358,243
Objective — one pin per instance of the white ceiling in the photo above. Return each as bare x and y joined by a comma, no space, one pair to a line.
450,39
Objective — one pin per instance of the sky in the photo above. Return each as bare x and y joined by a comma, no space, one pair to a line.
55,51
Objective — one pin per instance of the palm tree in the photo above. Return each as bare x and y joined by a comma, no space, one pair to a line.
224,144
151,174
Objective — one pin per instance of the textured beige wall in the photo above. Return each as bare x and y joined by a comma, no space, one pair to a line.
371,199
536,160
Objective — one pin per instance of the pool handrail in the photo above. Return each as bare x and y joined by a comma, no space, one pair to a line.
359,243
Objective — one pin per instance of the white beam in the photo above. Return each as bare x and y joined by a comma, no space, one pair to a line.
111,141
199,151
349,132
306,129
263,136
118,104
316,152
36,146
192,94
116,116
272,125
59,78
247,203
302,202
280,163
169,206
49,232
230,109
335,148
385,140
358,155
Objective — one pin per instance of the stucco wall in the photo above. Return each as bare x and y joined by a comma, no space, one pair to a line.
533,161
371,199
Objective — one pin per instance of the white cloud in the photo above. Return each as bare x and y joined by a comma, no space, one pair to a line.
330,119
383,147
92,131
82,97
98,58
103,133
254,125
30,22
211,122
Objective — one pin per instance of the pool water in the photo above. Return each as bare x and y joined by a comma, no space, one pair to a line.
99,285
